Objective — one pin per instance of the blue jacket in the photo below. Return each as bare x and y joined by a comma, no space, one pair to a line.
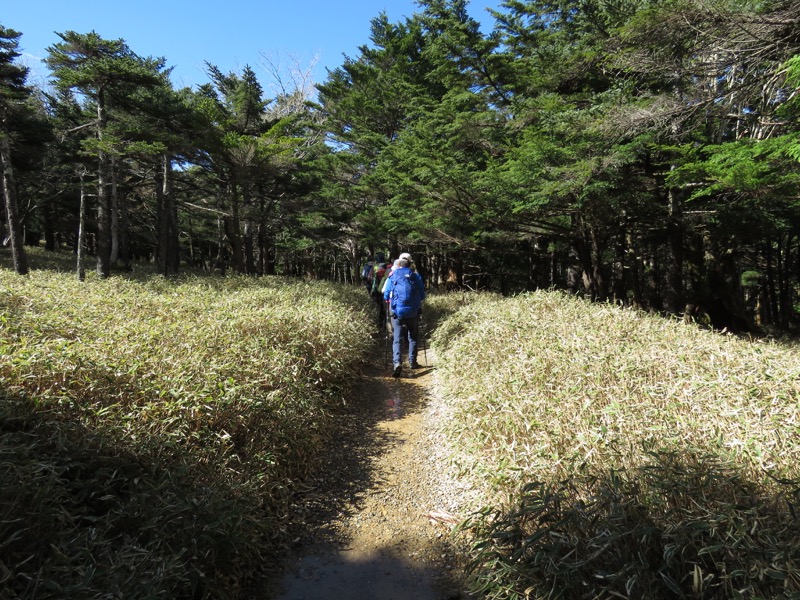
410,309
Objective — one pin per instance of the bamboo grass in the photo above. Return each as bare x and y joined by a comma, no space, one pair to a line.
622,454
153,431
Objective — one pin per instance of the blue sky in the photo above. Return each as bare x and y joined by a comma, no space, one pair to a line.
229,34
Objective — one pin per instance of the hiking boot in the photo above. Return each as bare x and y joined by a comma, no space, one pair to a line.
416,365
397,368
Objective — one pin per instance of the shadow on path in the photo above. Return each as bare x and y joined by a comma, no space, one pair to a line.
363,530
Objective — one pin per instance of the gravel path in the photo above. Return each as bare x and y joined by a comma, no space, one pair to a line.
377,522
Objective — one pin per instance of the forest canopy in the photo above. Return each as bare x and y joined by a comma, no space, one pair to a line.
643,152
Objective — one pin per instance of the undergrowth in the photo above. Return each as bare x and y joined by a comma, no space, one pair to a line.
622,455
152,431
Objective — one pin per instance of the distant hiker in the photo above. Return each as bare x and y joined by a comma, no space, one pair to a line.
390,266
379,288
379,270
376,261
405,292
366,271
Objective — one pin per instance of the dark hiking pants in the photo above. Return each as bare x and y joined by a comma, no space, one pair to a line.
405,327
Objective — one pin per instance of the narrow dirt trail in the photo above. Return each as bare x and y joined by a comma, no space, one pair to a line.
376,523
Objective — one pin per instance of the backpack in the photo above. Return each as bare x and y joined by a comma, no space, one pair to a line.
405,293
366,271
380,271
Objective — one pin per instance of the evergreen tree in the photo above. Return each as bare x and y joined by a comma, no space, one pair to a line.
13,97
712,89
105,72
253,167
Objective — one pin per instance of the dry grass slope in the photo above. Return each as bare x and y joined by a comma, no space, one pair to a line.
151,431
624,455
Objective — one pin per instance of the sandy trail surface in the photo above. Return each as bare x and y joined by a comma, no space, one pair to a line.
377,522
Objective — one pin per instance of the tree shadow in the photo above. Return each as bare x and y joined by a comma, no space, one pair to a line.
323,564
686,525
84,515
64,260
339,576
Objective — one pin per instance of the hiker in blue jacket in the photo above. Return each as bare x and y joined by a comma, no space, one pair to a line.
404,292
366,269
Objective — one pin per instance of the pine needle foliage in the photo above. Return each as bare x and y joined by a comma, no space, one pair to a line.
153,431
622,455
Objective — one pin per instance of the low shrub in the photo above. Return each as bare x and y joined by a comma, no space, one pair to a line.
622,454
153,429
440,307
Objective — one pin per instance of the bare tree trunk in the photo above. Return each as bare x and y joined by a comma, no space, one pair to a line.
308,263
221,260
81,231
161,230
234,232
270,267
266,248
249,248
168,246
353,250
620,294
124,256
19,256
115,220
636,270
103,212
261,248
584,248
784,305
600,289
652,274
455,271
673,296
771,294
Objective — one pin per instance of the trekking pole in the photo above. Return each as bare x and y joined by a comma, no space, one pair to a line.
424,343
385,334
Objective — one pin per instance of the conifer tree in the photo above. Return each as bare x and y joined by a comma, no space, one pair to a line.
105,72
13,96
